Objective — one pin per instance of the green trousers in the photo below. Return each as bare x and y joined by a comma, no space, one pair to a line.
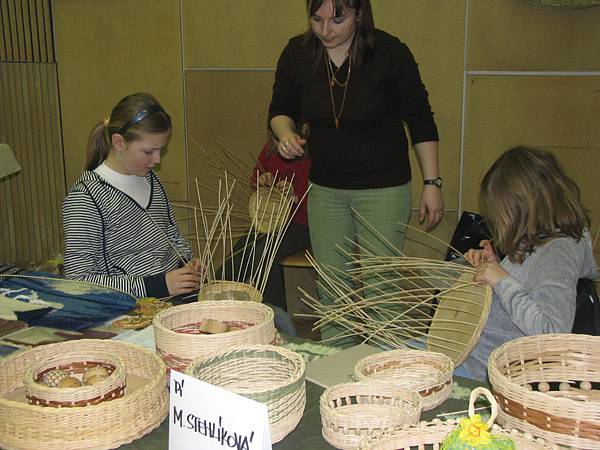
332,224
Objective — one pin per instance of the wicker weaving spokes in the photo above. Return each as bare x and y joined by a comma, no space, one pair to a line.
547,385
264,373
428,373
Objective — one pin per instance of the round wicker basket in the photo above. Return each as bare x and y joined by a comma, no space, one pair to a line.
264,373
75,365
229,290
520,369
428,373
179,341
352,411
269,208
105,425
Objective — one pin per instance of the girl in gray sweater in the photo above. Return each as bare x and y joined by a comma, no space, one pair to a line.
537,221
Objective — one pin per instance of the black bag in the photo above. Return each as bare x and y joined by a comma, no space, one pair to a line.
469,232
587,313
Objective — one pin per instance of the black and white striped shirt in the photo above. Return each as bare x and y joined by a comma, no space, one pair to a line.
111,240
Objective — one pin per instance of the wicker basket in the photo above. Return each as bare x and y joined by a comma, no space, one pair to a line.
566,417
229,290
352,411
433,434
179,341
106,425
264,373
75,365
269,208
428,373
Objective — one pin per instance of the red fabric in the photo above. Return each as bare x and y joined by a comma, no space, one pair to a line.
270,161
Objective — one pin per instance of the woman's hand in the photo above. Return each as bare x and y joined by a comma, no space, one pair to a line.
184,280
481,256
290,146
266,179
432,206
490,273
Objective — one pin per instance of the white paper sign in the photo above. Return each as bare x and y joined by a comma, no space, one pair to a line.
203,416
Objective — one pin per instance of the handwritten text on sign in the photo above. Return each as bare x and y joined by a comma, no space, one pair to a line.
208,417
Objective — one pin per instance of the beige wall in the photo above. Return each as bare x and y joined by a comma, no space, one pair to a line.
499,73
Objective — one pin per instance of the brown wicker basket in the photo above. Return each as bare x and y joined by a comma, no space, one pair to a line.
264,373
520,369
75,365
179,341
352,411
428,373
229,290
105,425
433,433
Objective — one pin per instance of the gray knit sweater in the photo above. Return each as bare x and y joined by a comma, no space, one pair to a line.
538,297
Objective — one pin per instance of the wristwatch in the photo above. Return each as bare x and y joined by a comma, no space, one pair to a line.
435,182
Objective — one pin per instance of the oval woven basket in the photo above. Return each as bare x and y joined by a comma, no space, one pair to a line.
269,209
105,425
179,341
75,365
264,373
229,290
352,411
433,433
569,415
428,373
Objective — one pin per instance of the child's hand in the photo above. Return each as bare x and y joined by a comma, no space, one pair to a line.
490,273
486,254
183,280
266,179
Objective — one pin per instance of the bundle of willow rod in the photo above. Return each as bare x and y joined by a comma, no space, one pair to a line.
399,301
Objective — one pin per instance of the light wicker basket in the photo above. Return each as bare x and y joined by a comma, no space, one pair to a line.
428,373
75,365
352,411
229,290
179,341
566,417
269,208
432,434
105,425
264,373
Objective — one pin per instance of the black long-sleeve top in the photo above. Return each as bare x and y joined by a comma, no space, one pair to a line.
370,149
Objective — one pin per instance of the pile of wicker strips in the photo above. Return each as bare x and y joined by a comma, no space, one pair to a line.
520,369
264,373
432,434
428,373
351,412
105,425
179,341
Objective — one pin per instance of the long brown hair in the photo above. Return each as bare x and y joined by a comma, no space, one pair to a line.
528,200
135,115
364,38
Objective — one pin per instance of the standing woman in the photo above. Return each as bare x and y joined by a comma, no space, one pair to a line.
355,85
119,228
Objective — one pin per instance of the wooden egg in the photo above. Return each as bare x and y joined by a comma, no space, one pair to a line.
53,377
564,386
543,386
69,382
94,371
585,385
90,381
528,387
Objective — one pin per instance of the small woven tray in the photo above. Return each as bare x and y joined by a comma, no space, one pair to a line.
568,417
428,373
178,340
264,373
352,411
433,433
229,290
75,365
105,425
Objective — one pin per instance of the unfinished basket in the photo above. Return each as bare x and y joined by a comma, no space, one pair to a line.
269,208
105,425
229,290
179,340
544,383
108,386
264,373
352,411
428,373
433,433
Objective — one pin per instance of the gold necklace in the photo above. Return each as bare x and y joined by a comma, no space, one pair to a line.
332,82
334,79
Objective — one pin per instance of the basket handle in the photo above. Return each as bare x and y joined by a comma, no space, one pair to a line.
475,393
